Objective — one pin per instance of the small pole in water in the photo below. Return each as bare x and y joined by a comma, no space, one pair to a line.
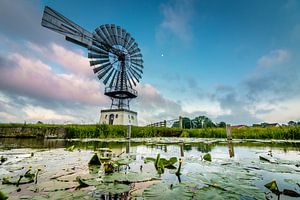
228,132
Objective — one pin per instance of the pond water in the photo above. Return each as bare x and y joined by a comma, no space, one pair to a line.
238,170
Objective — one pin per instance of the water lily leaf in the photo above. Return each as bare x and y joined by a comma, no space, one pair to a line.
267,159
129,177
50,186
111,188
149,159
3,196
207,157
273,187
215,193
71,148
291,193
81,182
167,191
95,160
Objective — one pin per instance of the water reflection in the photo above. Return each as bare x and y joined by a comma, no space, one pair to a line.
230,148
128,145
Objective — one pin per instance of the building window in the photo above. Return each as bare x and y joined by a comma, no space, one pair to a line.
132,117
116,115
105,116
128,116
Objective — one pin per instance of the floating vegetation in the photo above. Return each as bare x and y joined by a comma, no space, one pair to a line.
95,160
207,157
3,196
106,171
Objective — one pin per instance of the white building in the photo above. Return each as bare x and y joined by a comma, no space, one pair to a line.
118,117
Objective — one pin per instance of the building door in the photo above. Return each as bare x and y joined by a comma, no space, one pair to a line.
111,119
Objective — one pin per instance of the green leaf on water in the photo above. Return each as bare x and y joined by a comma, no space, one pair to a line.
71,148
95,160
207,157
3,196
112,188
273,187
129,177
167,191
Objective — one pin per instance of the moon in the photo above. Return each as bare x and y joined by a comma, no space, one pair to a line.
162,55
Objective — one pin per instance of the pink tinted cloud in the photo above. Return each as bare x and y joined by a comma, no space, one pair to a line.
33,78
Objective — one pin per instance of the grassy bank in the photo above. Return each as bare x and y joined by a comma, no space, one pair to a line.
104,131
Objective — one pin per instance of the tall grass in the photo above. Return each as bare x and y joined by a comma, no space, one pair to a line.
109,131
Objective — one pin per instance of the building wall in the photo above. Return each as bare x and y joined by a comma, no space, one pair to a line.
118,117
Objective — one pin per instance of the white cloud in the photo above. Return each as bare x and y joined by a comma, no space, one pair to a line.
274,57
177,18
43,114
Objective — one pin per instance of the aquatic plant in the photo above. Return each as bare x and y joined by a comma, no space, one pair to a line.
207,157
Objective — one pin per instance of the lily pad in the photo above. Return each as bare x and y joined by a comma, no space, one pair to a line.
215,193
273,187
129,177
112,188
167,191
50,186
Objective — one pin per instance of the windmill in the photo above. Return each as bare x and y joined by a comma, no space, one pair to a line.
115,58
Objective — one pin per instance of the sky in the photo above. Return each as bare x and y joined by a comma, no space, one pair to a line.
236,61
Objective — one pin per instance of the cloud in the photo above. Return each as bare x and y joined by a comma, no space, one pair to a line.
42,114
33,78
177,19
274,57
22,19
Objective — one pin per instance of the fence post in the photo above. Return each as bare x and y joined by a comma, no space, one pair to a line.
228,132
180,122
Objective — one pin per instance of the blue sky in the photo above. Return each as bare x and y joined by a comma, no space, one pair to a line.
234,61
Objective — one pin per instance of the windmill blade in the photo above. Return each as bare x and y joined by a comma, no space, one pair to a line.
114,32
110,33
131,78
105,71
108,76
123,37
117,80
106,33
119,32
129,43
74,33
136,56
128,80
133,74
112,79
97,62
136,72
100,55
100,36
95,50
138,65
100,44
97,69
134,51
133,47
139,61
137,69
127,38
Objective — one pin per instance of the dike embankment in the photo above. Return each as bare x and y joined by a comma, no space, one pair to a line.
33,132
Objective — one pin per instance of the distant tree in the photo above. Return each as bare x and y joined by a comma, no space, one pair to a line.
221,125
298,123
175,124
292,123
204,122
186,123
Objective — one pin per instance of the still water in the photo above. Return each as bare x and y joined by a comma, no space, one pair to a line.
237,170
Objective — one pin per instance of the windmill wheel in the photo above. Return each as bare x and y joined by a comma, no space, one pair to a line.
116,58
